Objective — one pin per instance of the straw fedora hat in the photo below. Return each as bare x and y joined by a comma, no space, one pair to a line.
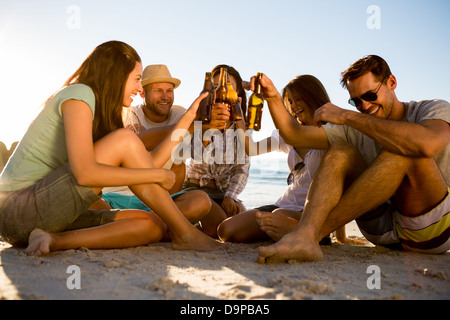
158,73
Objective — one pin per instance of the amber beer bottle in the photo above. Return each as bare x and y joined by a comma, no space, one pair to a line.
222,88
207,103
233,100
255,106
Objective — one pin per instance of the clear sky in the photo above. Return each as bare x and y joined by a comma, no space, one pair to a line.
43,42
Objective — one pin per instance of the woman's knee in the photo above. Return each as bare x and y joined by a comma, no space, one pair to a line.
200,201
121,139
226,230
194,205
128,140
240,228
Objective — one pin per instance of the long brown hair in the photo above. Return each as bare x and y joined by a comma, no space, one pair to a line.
309,89
106,71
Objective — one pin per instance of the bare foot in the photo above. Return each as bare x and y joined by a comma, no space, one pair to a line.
39,243
352,241
275,225
293,246
196,241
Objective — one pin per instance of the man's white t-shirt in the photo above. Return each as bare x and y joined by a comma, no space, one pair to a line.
135,115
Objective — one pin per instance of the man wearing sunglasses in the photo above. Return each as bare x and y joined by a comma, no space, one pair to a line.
387,167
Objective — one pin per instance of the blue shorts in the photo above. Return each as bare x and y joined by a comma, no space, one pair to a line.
119,201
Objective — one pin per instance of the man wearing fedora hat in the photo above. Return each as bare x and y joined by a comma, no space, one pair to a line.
158,110
155,118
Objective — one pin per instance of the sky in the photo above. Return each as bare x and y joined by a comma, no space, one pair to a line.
43,42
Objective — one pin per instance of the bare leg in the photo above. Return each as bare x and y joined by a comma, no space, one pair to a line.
131,228
210,222
242,227
194,205
339,165
417,183
123,148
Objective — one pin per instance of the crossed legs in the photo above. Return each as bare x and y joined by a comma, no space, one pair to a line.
343,190
131,227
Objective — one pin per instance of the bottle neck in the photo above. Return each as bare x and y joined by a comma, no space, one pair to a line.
258,88
222,89
208,82
223,77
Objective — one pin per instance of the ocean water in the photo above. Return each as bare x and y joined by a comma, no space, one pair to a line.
267,180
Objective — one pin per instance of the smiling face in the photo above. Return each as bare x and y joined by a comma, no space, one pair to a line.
383,106
298,108
133,85
158,101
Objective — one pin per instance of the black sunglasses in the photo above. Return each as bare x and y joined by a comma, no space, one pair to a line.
368,96
299,166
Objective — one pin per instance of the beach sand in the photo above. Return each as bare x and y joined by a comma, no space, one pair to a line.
158,272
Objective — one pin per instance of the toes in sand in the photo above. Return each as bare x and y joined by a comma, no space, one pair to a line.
275,225
38,243
290,247
196,242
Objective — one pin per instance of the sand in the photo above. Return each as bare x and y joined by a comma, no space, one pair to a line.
158,272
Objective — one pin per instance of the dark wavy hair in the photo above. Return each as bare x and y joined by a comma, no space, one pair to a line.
106,71
240,88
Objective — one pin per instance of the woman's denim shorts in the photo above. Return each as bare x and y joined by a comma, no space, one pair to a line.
54,204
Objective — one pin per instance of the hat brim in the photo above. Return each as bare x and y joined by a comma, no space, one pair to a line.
174,81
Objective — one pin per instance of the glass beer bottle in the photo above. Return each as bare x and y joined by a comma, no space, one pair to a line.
233,100
206,104
222,88
255,106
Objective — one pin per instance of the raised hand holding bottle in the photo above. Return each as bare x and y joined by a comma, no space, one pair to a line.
255,106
